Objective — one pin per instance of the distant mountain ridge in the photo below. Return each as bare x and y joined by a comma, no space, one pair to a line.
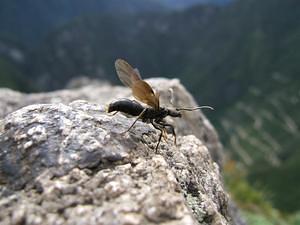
181,4
29,21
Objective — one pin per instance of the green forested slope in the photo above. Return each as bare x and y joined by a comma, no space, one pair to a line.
10,75
220,50
262,130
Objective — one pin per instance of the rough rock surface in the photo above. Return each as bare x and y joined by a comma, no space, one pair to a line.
71,164
102,93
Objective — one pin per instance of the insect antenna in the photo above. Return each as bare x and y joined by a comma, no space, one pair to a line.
196,108
186,108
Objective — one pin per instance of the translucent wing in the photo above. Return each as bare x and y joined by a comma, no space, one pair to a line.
137,71
141,90
126,73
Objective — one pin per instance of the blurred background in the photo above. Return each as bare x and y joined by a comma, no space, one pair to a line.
240,56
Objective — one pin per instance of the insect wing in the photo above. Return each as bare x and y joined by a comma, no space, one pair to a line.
143,92
126,73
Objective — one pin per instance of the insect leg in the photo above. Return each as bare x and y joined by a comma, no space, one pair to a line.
162,123
141,114
156,126
113,113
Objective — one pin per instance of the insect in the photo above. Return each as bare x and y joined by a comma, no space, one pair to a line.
143,92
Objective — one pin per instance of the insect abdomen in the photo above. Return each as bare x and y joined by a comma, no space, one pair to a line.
127,106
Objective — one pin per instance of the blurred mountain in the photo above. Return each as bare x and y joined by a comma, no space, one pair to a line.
157,43
182,4
236,45
12,60
29,21
262,131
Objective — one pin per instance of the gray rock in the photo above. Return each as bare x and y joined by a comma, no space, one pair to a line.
71,164
102,93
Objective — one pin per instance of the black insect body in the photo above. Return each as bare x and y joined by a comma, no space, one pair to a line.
134,108
147,115
143,92
126,106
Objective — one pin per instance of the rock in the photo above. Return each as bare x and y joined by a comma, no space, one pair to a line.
102,93
71,164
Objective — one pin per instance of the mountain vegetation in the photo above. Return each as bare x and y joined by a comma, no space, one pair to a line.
30,21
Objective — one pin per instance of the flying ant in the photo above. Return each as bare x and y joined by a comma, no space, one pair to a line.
143,92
